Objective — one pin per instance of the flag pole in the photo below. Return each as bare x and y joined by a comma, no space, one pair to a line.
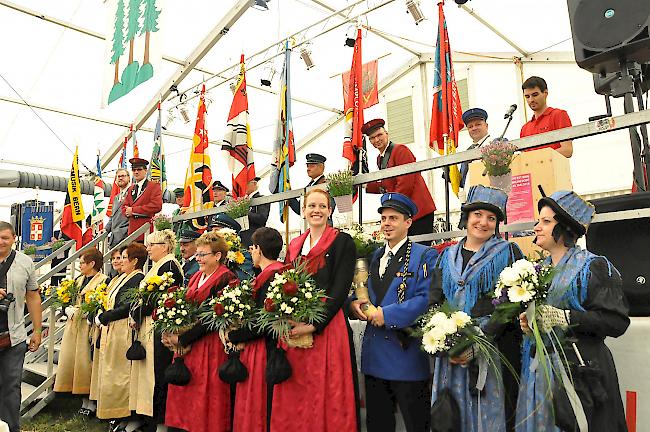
447,212
286,225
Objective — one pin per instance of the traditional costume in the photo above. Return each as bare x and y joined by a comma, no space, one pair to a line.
203,405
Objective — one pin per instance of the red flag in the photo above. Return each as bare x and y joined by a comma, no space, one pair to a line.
353,140
446,113
198,178
370,88
237,143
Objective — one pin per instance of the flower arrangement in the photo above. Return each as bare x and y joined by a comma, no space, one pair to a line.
365,243
29,250
65,294
519,285
173,314
235,256
292,296
446,331
95,300
58,244
497,156
161,222
232,307
238,207
340,183
151,288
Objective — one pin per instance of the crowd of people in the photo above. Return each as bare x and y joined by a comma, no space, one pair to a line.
116,361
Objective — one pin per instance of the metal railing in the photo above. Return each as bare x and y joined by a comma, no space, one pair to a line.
127,240
597,127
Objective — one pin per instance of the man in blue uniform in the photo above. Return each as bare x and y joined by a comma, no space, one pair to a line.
187,242
396,369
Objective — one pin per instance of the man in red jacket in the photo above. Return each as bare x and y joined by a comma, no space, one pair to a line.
411,185
143,199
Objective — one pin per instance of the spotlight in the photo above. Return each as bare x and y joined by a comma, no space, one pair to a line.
305,54
170,118
350,36
233,86
461,2
186,115
269,74
413,7
261,5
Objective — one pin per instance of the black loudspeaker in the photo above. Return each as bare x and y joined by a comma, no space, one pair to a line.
626,243
606,32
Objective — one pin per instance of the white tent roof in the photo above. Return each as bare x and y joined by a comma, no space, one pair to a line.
51,65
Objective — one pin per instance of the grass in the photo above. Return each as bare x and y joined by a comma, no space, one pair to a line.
61,415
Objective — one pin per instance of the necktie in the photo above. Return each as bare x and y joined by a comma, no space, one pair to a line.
390,258
137,187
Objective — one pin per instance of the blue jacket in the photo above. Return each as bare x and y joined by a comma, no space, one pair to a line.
382,354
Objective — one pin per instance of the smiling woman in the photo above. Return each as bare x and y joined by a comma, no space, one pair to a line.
468,273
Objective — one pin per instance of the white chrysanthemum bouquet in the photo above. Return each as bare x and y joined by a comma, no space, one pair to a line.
173,314
447,331
233,307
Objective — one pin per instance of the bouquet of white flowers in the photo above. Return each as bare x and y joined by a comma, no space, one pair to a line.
151,288
232,307
173,314
446,331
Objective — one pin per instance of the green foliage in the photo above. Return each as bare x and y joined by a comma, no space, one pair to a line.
340,183
118,33
57,245
150,15
162,222
232,307
135,13
29,250
239,207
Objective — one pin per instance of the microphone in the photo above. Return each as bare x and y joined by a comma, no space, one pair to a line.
512,109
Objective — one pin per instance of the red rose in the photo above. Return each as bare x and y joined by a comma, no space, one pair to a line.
290,288
154,315
233,283
268,305
170,303
172,289
219,293
219,309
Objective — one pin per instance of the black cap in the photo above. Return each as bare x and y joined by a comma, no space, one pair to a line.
219,186
255,179
188,236
315,158
222,220
179,192
138,162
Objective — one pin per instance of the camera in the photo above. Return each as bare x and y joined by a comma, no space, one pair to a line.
6,302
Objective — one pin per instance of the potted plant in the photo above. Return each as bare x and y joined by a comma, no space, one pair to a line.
29,250
58,244
238,209
161,222
340,188
497,157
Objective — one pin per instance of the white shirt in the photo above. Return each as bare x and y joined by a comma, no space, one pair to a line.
314,181
383,261
306,246
139,184
204,278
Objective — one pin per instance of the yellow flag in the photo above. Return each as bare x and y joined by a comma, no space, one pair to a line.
74,190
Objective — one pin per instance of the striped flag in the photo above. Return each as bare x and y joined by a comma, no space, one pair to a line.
136,151
446,113
73,211
353,140
157,168
198,178
99,204
283,147
116,189
237,143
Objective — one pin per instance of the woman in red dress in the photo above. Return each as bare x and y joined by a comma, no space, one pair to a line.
320,395
203,405
254,395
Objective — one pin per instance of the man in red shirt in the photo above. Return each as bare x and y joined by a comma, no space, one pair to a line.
545,119
411,185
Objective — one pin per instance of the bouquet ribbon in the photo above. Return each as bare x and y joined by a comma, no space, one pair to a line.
578,410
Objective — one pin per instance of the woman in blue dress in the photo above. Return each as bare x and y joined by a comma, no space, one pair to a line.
585,302
466,275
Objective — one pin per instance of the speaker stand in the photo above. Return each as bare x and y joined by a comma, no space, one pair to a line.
629,84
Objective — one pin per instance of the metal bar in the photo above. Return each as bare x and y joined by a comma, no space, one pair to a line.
222,27
50,347
494,30
39,406
587,129
72,258
322,32
561,57
40,389
134,235
51,256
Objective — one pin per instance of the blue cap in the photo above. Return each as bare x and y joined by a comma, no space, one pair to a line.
486,198
474,113
399,202
571,209
188,236
222,220
315,158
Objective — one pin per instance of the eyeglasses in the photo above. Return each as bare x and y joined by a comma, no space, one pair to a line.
159,243
203,254
138,169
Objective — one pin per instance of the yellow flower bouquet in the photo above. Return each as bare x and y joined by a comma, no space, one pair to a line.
151,288
65,294
95,300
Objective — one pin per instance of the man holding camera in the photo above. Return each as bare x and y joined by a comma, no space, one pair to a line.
17,287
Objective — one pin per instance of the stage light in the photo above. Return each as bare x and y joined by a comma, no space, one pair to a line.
261,5
269,74
305,54
413,7
170,118
461,2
